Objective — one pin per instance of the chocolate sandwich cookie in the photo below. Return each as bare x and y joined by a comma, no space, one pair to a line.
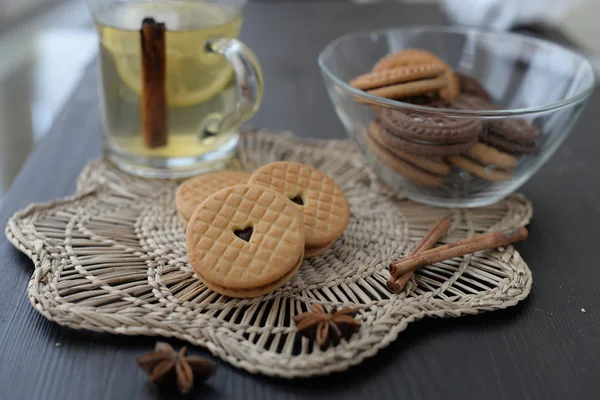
513,135
432,164
468,101
422,170
245,241
471,86
509,134
430,127
420,147
427,133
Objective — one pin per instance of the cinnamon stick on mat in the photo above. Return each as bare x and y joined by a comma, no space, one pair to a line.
153,101
436,232
457,249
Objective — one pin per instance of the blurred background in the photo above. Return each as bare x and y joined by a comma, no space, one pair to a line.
45,46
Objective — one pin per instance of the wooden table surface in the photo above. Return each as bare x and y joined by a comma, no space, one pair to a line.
548,347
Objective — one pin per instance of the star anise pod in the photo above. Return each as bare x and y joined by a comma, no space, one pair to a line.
167,366
327,328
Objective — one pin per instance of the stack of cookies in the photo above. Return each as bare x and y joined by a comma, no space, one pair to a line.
407,73
248,238
424,145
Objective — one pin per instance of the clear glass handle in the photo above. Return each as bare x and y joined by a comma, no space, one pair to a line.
248,81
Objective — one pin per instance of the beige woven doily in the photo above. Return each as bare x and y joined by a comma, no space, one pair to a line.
112,258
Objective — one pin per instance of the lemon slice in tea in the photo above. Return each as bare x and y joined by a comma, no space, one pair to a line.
193,75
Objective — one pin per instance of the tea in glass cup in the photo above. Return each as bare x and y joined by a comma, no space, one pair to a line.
175,84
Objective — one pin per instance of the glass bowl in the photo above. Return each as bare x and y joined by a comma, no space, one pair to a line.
536,85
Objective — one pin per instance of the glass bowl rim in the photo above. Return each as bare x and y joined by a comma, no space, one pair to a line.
376,100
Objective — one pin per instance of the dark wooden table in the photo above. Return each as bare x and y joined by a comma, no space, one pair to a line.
547,347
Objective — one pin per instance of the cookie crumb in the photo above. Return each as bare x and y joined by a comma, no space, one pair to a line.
583,310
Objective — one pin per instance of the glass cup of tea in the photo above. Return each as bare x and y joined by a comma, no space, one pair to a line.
175,83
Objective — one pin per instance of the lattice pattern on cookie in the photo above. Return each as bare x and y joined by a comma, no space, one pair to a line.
222,258
195,190
326,210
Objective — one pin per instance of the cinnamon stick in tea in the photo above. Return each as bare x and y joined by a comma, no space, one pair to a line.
153,101
457,249
436,232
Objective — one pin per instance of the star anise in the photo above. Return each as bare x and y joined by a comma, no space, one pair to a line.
327,328
167,367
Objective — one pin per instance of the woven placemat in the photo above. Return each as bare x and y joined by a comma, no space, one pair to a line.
112,258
